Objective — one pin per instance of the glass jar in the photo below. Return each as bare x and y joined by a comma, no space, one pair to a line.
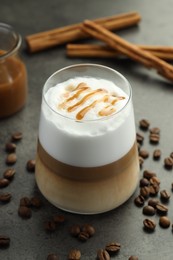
13,75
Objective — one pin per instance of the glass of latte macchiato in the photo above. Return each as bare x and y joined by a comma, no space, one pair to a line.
87,159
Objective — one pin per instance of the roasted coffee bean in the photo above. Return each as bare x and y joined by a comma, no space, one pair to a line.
148,174
83,236
154,138
10,147
4,182
59,219
155,130
141,161
168,162
161,209
52,257
50,226
4,241
103,255
9,173
153,202
149,224
16,136
144,124
35,202
75,230
172,186
88,229
24,212
164,195
144,182
133,257
30,166
145,191
149,210
113,247
11,158
154,180
139,138
156,154
164,222
143,153
74,254
171,155
5,197
25,201
139,201
154,189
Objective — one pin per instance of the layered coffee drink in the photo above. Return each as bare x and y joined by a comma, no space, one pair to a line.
87,160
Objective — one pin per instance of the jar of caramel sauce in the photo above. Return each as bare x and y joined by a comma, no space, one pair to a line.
13,75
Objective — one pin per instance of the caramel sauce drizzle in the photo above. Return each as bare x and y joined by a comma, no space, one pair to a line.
81,88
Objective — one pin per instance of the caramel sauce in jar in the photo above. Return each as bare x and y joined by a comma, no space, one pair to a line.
13,75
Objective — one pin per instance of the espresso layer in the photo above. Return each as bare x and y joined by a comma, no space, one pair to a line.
86,173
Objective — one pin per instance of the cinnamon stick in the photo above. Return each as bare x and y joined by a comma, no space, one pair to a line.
128,49
104,51
43,40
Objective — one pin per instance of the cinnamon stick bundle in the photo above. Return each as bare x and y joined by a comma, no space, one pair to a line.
128,49
104,51
43,40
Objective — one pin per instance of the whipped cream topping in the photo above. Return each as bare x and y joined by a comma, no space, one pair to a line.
86,98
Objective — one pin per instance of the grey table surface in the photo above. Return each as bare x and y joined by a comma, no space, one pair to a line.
152,98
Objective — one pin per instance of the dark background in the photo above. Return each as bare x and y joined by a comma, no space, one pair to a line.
152,97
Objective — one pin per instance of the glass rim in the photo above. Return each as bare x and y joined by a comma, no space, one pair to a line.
17,39
87,65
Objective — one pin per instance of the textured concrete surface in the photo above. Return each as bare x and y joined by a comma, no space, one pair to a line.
152,96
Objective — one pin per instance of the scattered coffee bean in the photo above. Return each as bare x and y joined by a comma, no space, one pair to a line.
164,195
35,202
153,202
5,197
139,201
30,166
11,159
25,201
144,124
145,191
144,182
4,241
148,174
171,155
164,222
154,180
155,130
52,257
149,224
154,189
4,182
88,229
141,161
156,154
149,210
154,138
113,247
168,162
10,147
133,257
75,230
24,212
50,226
161,209
83,236
16,136
143,153
59,219
74,254
9,173
139,138
103,255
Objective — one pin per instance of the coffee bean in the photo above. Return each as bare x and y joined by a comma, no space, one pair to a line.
4,182
143,153
171,155
35,202
4,241
9,173
83,236
50,226
139,201
75,230
30,166
168,162
154,180
113,247
52,257
153,202
148,174
59,219
5,197
24,212
10,147
16,136
145,191
103,255
141,161
133,257
88,229
25,201
154,189
144,182
156,154
11,159
161,209
144,124
139,138
154,138
149,210
74,254
155,130
149,224
164,195
164,222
